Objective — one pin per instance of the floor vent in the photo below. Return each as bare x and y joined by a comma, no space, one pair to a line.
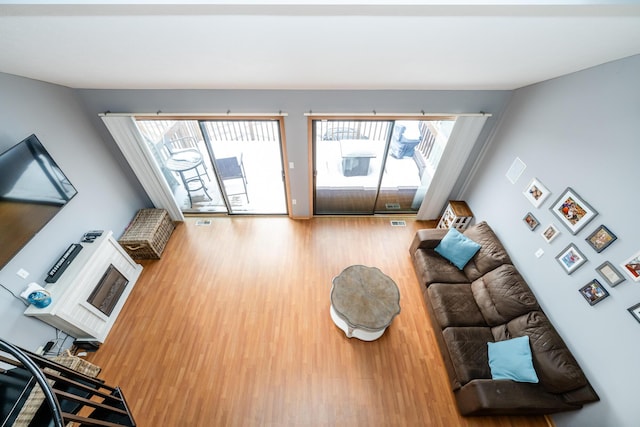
203,222
392,205
398,223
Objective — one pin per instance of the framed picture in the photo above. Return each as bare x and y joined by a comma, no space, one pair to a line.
609,273
632,267
536,193
572,211
594,292
601,238
531,221
635,311
571,258
549,233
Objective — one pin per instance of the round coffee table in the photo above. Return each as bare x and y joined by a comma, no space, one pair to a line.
364,301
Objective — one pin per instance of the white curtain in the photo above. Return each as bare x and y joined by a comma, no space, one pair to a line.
461,141
131,143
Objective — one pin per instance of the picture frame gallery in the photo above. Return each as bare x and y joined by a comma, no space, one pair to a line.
573,211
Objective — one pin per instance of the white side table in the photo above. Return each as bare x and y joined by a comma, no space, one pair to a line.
456,215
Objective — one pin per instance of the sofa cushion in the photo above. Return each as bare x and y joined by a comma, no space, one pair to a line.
457,248
453,305
491,254
431,267
467,347
502,295
557,369
511,360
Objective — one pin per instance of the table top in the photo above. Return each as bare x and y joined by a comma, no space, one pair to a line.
184,160
365,297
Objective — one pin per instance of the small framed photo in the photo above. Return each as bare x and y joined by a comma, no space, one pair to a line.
601,238
610,274
594,292
549,233
572,211
536,193
632,267
635,311
531,221
571,258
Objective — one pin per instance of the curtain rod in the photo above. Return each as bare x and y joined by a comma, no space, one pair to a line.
229,113
375,113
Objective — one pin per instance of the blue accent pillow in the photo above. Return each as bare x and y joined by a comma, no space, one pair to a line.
511,360
457,248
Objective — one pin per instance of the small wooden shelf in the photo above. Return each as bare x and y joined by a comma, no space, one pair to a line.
456,215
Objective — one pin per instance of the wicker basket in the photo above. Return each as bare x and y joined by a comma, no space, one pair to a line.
148,234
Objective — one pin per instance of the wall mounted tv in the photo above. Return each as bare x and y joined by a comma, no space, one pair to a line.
33,189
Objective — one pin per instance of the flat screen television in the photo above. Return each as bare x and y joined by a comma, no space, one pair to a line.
33,189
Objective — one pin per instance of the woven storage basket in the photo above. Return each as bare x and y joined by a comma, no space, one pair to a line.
148,234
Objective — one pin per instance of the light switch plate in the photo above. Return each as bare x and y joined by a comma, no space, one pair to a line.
539,253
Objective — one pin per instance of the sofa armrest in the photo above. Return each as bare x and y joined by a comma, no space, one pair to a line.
581,395
427,238
506,397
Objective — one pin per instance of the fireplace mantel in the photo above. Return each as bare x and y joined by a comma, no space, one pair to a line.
69,310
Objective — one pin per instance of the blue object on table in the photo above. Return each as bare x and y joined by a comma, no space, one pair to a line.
39,299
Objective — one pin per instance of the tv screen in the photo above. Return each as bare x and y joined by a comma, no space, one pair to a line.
33,189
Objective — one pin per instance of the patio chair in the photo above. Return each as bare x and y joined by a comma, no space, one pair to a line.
229,168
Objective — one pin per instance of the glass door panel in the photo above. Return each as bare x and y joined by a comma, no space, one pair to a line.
375,166
349,160
248,162
414,152
220,166
181,154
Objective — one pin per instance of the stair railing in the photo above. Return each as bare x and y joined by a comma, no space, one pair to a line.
96,404
39,376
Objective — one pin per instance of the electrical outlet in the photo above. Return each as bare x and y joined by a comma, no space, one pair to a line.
539,253
23,273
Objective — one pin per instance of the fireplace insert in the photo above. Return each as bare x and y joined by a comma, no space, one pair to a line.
107,292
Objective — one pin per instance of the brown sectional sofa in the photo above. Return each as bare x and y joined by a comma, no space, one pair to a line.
489,301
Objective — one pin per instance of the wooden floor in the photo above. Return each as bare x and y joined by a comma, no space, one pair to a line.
232,328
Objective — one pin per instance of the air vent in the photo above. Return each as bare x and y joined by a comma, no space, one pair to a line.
392,205
203,222
398,223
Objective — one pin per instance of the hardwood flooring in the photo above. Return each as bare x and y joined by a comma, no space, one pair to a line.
232,328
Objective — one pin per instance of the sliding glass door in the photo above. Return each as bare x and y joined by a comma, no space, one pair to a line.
375,166
220,166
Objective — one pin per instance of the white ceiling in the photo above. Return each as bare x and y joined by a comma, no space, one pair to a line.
289,44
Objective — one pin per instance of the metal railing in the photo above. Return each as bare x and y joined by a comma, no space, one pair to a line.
69,395
158,131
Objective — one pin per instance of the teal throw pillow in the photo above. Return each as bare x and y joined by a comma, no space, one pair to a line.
511,360
457,248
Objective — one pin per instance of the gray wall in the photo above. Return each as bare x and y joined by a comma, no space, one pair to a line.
296,104
578,131
107,199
